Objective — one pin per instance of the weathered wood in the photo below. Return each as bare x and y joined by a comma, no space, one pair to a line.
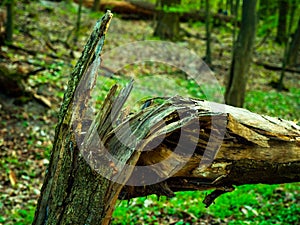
72,192
172,145
255,149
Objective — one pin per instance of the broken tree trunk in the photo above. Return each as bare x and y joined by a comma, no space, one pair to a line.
175,144
240,147
72,192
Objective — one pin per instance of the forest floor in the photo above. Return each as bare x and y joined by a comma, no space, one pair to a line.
44,40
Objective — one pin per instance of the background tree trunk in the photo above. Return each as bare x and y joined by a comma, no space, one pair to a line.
96,5
287,47
167,27
237,80
266,8
235,11
202,2
283,7
9,28
78,21
295,47
208,30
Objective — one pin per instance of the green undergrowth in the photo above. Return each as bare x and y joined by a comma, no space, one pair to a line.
248,204
273,103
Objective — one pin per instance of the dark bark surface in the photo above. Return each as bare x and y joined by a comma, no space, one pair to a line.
241,60
167,23
72,193
96,5
208,59
9,28
283,8
11,82
294,47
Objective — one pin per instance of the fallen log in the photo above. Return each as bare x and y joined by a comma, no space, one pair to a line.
276,67
136,10
254,149
173,144
199,145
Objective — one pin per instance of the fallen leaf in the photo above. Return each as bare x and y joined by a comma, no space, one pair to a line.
12,178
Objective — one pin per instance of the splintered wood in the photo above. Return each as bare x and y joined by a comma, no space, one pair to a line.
199,145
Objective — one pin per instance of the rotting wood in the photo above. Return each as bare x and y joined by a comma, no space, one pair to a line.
69,179
255,149
184,144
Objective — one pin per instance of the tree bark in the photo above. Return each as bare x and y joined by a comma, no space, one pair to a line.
9,28
72,193
167,27
283,8
78,22
255,149
287,50
208,30
11,82
266,8
172,145
238,75
96,5
235,11
294,47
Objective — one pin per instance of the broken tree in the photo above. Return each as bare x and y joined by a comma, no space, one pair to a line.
175,144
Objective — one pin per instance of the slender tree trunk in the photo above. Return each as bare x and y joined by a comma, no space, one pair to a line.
287,48
235,13
208,30
96,5
201,4
231,6
237,80
266,8
263,8
295,43
167,27
295,47
78,21
283,7
9,28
